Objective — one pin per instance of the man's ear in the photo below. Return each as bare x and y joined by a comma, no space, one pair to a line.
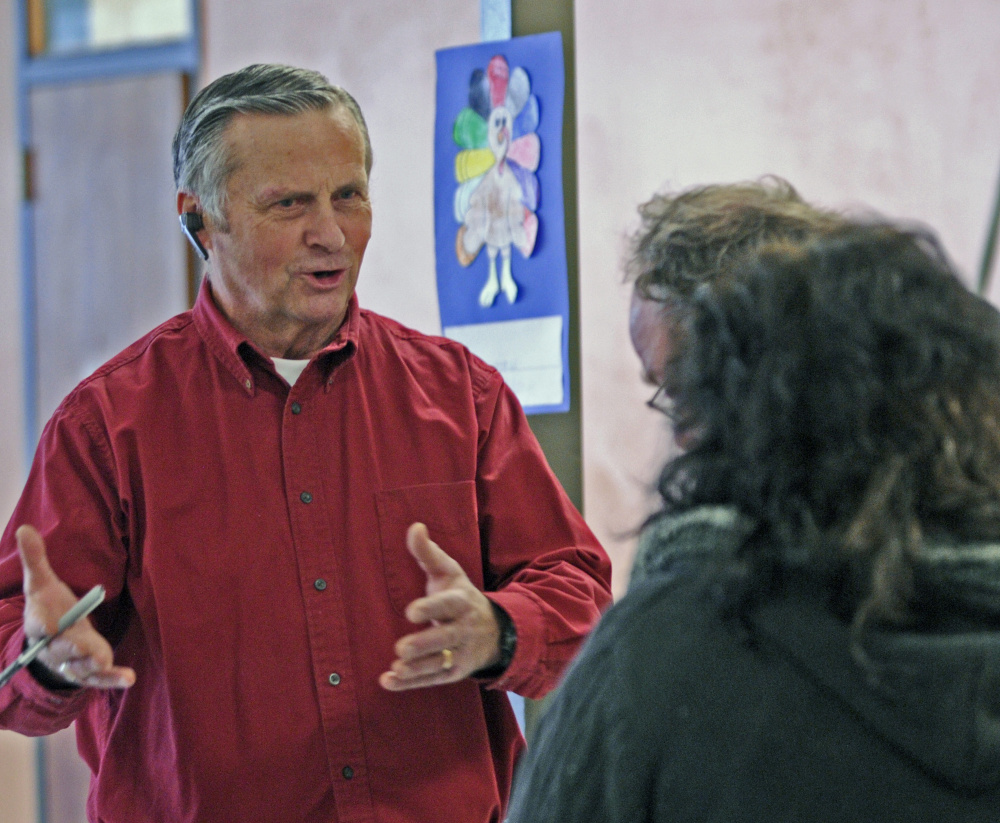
188,202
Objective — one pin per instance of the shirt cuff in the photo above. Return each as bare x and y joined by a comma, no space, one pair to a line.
48,702
508,645
527,617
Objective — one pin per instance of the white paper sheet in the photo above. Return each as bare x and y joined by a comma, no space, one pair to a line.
528,353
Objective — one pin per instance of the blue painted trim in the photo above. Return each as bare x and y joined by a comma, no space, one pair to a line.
179,56
195,66
495,24
41,782
29,334
28,313
517,704
182,56
494,20
28,337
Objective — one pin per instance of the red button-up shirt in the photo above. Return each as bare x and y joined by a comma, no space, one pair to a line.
251,538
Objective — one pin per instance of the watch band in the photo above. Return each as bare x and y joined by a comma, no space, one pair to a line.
508,645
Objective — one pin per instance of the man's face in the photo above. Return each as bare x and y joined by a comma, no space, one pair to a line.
299,221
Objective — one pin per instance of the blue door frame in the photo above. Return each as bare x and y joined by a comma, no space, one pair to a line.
183,57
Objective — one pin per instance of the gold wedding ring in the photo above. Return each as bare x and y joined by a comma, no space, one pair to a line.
448,661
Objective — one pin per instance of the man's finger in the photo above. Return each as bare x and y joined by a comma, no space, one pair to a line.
84,657
86,672
432,558
392,682
444,606
37,571
428,641
427,670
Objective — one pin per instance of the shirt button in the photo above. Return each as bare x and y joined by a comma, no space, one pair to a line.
305,497
248,384
320,584
348,772
296,408
334,679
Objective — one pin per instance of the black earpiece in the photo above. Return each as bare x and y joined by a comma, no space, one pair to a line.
191,224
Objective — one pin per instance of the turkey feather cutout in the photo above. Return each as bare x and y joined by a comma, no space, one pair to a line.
498,192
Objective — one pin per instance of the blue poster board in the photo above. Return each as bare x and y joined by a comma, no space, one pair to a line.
498,211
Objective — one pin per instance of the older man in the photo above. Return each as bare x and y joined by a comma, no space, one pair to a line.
295,506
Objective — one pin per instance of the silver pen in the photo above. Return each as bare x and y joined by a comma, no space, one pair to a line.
84,606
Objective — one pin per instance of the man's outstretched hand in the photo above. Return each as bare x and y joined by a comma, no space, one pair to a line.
463,635
80,655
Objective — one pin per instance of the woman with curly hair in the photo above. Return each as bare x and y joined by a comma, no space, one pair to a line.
821,640
684,240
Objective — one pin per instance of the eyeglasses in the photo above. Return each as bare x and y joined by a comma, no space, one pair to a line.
661,402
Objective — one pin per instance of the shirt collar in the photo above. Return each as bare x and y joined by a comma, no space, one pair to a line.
237,352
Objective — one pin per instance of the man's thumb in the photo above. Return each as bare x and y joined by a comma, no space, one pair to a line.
434,561
34,562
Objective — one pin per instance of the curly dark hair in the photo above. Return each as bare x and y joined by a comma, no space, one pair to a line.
694,236
846,394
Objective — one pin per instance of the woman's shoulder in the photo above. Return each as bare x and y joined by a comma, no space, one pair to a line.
660,617
705,531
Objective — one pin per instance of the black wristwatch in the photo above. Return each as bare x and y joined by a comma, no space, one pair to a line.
508,645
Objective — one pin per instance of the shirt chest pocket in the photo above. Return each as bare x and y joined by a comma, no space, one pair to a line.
449,511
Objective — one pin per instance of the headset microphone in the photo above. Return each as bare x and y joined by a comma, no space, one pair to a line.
191,223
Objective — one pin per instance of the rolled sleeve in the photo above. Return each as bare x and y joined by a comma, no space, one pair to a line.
544,566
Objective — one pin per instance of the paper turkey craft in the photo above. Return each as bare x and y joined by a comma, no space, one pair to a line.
497,196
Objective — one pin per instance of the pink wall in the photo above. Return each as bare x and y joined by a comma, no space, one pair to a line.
891,103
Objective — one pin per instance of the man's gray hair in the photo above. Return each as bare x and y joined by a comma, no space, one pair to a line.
202,163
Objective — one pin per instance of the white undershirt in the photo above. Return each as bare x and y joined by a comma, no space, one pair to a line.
289,369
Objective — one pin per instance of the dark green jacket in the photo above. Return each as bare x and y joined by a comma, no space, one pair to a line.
671,714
